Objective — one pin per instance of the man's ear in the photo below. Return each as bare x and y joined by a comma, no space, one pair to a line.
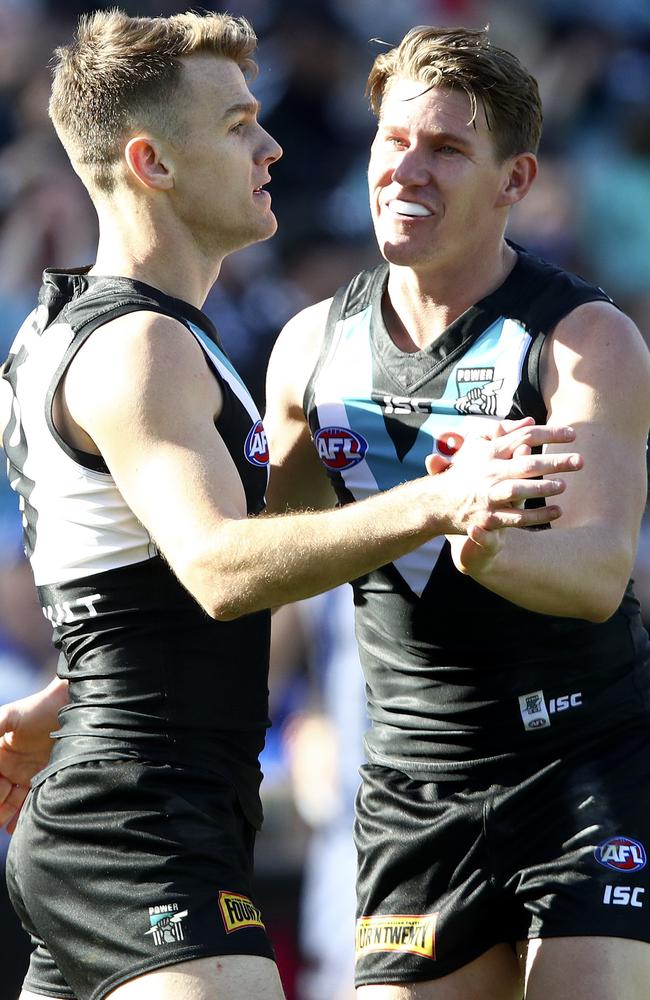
147,163
520,174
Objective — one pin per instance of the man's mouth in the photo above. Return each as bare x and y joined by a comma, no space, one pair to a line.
410,209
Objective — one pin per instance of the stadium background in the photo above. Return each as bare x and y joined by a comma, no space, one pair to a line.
589,210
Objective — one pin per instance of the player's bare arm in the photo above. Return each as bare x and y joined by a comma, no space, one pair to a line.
595,375
298,480
175,473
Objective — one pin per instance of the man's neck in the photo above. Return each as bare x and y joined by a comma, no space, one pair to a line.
418,308
156,253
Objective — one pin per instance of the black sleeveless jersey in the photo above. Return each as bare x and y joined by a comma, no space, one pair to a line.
458,677
150,673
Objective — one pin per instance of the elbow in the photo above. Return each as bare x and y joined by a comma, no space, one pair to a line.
217,589
597,614
232,598
221,609
602,588
225,602
599,605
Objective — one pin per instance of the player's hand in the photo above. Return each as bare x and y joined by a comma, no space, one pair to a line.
489,479
473,553
25,745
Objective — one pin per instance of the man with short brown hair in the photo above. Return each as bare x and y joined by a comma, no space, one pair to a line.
503,820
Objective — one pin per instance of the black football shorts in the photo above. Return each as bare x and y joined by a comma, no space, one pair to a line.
120,867
447,870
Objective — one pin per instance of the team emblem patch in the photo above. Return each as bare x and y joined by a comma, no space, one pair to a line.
340,448
621,854
534,713
405,932
238,911
256,447
166,923
477,390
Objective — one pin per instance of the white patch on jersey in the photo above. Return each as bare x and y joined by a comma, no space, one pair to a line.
83,524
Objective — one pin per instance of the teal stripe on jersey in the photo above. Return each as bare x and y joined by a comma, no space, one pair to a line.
215,350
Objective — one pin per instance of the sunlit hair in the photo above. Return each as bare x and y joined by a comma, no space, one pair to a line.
119,74
493,79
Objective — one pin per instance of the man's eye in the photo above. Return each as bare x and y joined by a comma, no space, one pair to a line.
448,149
238,127
396,142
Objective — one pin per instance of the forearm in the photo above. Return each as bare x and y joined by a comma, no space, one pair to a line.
580,572
262,562
234,565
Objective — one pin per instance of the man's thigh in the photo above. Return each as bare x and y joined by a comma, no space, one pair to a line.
493,976
587,968
229,977
162,878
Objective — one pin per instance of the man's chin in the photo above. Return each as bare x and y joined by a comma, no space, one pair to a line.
257,234
402,254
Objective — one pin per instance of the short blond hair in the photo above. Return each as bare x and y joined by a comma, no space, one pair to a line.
119,73
461,59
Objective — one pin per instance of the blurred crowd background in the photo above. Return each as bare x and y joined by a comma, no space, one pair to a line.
589,211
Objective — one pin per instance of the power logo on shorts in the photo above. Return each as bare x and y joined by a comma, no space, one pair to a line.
166,922
340,448
238,912
621,854
405,932
256,447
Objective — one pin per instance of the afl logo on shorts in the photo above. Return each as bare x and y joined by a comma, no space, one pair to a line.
621,854
340,448
256,449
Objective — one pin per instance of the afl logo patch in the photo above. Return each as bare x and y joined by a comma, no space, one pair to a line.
256,449
340,448
621,854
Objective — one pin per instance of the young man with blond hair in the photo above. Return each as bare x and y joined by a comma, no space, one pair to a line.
504,818
141,462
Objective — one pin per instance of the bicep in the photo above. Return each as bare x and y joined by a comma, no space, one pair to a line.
148,400
180,486
596,377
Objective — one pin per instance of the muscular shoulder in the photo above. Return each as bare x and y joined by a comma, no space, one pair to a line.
297,350
597,335
597,348
137,363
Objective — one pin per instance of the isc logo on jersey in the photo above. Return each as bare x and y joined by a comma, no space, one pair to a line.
340,448
256,448
621,854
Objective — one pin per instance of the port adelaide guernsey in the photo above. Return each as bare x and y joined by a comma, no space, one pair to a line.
150,673
457,677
